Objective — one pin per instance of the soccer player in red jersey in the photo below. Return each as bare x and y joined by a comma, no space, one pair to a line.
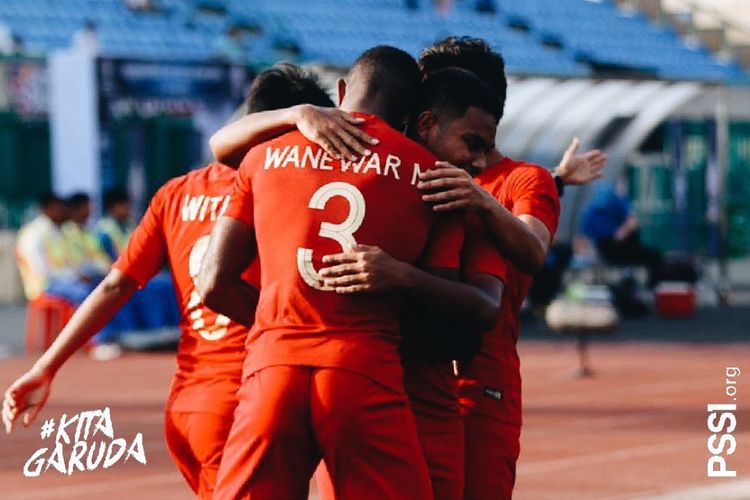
175,231
452,108
518,209
518,204
323,376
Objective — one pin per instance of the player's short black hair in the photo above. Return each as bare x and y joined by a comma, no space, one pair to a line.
48,198
77,199
114,196
471,54
285,85
391,76
450,92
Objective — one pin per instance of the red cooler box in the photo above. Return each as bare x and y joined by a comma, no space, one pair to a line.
675,299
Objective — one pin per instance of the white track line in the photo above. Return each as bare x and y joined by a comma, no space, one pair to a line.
725,490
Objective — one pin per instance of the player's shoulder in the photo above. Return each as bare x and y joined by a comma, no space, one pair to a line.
273,149
169,187
512,170
206,178
291,138
522,168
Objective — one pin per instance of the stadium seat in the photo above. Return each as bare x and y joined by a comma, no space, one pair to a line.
335,33
45,318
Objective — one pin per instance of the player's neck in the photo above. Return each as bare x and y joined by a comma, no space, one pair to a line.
367,106
360,106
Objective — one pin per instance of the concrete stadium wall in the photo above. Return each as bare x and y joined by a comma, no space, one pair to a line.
11,290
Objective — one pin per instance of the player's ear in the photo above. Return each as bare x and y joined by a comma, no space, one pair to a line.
425,124
341,89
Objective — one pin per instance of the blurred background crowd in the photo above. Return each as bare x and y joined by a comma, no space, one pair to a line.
62,257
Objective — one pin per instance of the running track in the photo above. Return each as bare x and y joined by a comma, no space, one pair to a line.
636,430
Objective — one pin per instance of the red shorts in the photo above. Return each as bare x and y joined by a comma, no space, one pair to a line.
444,452
433,395
289,417
492,449
196,441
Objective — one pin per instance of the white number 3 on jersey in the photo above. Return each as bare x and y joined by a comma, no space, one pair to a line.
195,307
342,233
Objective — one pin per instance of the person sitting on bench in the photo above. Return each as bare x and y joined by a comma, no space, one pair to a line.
610,223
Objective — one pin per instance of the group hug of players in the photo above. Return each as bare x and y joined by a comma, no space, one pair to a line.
350,294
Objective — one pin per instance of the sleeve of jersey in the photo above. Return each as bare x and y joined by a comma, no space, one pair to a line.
535,194
444,245
241,202
480,256
146,251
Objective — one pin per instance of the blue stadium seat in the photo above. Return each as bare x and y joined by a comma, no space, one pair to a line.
335,32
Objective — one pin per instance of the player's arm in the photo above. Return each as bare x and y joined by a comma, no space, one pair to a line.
230,251
627,228
29,393
334,130
472,304
368,269
524,240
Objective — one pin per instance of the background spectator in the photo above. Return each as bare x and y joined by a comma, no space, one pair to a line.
154,306
114,229
88,258
610,223
548,283
41,250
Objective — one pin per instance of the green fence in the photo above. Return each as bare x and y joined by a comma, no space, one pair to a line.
166,146
651,181
738,190
25,167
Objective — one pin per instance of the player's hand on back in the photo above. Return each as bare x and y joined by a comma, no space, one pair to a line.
26,396
577,169
364,269
451,188
336,131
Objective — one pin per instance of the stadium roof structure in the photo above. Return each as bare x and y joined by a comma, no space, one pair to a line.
543,115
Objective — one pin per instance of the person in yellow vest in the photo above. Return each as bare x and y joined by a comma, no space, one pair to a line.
155,305
91,264
114,229
83,245
44,258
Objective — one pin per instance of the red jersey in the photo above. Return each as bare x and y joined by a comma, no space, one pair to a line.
432,385
175,230
491,382
303,205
